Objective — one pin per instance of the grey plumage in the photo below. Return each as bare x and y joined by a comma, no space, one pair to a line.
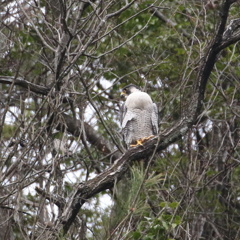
139,115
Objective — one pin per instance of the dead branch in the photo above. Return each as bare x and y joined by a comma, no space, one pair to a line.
25,84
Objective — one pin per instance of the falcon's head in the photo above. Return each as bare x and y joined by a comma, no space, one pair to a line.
131,88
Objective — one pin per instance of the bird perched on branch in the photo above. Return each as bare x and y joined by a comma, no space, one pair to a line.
139,116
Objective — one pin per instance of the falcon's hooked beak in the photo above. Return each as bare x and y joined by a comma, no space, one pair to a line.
123,94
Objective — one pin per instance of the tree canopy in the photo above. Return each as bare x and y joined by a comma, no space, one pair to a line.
65,172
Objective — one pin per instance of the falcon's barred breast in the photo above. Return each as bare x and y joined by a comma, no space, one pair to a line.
139,116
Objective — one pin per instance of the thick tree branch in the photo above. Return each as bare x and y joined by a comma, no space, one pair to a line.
228,42
233,26
25,84
208,61
231,35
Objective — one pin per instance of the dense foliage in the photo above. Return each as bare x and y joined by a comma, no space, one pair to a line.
62,67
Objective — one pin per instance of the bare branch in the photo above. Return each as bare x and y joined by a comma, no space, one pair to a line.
57,200
120,10
25,84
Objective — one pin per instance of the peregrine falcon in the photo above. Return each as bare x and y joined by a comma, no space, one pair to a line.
139,117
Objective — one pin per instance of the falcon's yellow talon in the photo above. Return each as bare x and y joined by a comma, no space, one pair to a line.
141,141
147,138
138,142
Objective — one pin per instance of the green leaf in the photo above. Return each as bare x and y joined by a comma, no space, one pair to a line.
136,235
177,220
163,204
173,205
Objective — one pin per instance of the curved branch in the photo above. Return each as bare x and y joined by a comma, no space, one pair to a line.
208,61
228,42
231,35
118,12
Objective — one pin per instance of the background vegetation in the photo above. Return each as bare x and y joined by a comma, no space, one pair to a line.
64,172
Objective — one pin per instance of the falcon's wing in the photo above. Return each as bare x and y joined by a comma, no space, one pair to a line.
123,111
127,118
155,119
